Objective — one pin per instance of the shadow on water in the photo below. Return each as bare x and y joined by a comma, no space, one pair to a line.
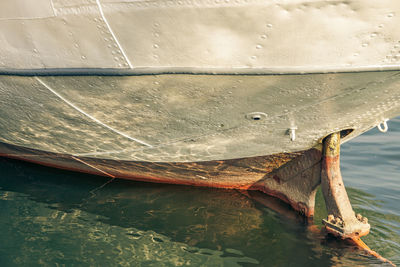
50,216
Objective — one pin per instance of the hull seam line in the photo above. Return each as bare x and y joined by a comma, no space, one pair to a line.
90,116
112,33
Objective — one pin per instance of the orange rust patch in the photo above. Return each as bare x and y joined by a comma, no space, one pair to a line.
244,173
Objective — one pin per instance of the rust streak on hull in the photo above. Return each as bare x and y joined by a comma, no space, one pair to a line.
291,177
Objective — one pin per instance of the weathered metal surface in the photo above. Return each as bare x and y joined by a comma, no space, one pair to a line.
292,177
341,221
200,35
295,182
189,118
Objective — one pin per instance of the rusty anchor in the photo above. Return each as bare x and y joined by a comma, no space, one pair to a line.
342,220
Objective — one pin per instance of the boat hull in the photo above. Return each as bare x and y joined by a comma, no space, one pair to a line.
292,177
191,118
253,132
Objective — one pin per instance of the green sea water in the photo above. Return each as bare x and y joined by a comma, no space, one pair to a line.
56,218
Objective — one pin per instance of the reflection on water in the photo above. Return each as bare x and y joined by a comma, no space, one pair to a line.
49,216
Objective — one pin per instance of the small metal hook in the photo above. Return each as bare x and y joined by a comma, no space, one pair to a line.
382,126
292,133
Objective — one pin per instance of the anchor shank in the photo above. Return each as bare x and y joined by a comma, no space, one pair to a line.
342,220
